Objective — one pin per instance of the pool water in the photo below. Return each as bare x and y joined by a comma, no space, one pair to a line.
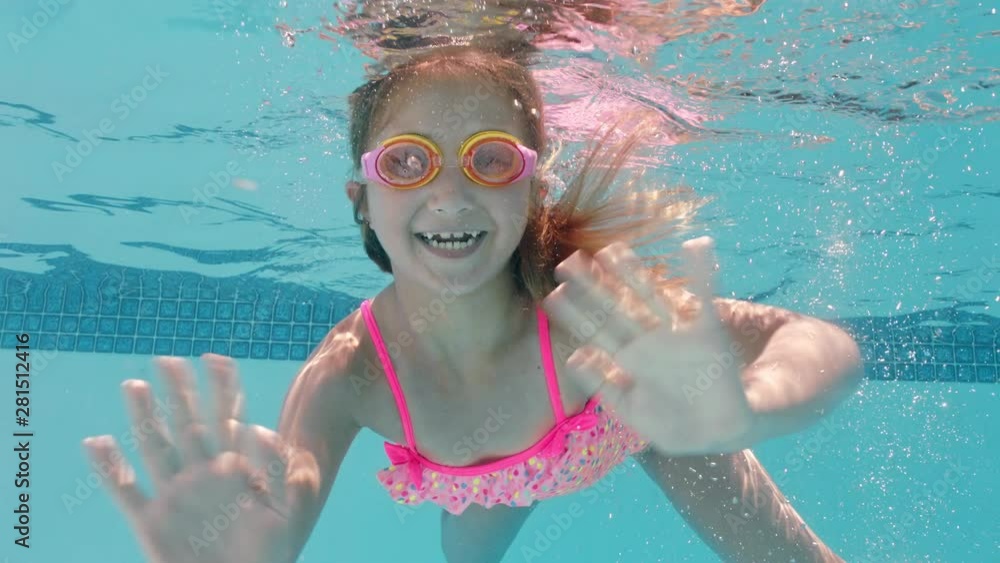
172,185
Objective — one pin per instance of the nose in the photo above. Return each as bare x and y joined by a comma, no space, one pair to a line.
449,194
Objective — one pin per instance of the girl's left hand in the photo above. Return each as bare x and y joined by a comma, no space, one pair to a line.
675,381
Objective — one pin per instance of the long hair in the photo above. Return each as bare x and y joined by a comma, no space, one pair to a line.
587,215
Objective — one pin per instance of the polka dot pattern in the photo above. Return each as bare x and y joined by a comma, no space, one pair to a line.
574,460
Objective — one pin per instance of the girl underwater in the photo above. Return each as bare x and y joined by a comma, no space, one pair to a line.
507,296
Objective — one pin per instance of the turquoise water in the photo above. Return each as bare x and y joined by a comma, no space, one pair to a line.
849,149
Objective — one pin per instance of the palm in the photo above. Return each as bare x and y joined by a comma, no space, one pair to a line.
197,515
667,369
220,503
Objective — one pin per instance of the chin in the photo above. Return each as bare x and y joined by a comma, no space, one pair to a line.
460,285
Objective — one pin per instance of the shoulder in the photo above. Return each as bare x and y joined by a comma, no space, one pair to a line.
328,379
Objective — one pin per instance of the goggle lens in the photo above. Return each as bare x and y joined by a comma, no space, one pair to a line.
495,161
405,163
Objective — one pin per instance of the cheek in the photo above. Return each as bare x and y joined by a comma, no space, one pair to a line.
385,210
515,203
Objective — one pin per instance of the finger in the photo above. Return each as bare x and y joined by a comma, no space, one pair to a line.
243,458
699,260
121,484
302,478
161,457
228,397
598,374
595,325
638,291
591,295
273,461
242,442
190,433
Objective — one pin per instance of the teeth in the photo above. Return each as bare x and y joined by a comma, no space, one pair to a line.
440,240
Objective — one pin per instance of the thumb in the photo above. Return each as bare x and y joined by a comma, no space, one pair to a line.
599,374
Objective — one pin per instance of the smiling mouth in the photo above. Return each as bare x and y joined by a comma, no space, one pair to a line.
452,240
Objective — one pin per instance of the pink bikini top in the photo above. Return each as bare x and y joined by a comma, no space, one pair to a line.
576,452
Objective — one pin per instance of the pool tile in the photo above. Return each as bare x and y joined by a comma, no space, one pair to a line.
13,322
109,307
299,352
148,308
906,372
283,312
223,331
124,345
224,311
45,342
279,352
244,312
303,312
322,312
168,309
203,329
262,331
35,302
300,333
85,343
50,323
241,331
32,322
240,350
16,303
986,374
163,347
185,329
259,350
964,355
985,355
126,326
54,300
105,344
206,310
186,310
116,309
946,372
201,347
281,332
130,307
73,302
146,327
966,373
925,372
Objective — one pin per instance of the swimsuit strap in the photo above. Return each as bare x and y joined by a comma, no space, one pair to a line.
383,355
397,391
551,379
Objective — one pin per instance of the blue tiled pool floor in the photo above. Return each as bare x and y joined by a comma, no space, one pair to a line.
119,310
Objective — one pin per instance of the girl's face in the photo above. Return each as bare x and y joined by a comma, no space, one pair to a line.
449,112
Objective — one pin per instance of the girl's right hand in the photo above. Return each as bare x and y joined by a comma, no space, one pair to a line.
221,502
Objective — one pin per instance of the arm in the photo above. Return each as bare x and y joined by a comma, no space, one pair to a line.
796,368
732,503
316,417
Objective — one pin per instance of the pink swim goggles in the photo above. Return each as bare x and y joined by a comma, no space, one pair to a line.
489,158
